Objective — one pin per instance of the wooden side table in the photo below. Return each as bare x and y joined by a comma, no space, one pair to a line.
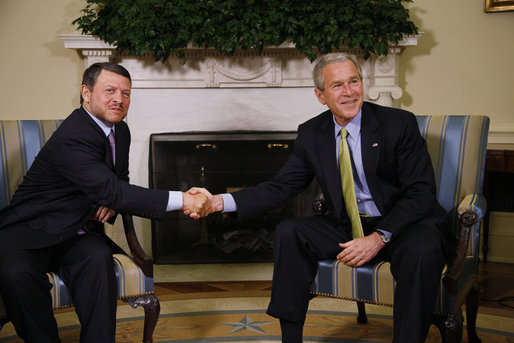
496,161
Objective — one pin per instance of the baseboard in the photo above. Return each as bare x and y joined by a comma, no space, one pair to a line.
213,272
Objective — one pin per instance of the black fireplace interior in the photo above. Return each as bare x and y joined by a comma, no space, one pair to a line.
221,162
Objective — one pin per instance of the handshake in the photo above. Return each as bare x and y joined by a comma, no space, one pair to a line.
199,202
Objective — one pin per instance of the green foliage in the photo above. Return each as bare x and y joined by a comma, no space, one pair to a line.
163,27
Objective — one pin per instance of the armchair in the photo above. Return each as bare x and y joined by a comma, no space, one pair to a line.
20,141
457,146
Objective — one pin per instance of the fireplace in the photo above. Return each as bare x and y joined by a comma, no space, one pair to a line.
221,162
265,91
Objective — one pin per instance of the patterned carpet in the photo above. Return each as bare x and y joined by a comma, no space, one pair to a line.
244,320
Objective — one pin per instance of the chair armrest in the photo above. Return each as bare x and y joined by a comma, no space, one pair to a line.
474,202
138,254
319,205
471,210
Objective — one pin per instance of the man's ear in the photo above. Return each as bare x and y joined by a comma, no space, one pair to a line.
319,95
85,92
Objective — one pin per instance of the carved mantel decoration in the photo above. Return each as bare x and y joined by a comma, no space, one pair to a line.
278,67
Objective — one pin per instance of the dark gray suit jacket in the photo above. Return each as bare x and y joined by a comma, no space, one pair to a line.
70,178
396,163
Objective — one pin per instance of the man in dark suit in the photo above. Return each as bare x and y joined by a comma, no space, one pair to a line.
395,192
78,181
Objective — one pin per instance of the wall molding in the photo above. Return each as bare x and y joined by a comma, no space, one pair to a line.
501,135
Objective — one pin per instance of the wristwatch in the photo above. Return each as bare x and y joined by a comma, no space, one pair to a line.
382,235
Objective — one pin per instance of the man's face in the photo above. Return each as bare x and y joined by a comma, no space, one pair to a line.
343,92
109,100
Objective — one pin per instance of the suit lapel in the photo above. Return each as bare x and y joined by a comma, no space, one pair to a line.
371,143
327,154
99,131
122,144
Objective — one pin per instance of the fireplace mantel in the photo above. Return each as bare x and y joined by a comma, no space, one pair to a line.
277,67
213,92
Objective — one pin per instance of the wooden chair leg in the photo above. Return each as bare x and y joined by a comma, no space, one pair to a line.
361,317
450,328
152,309
471,313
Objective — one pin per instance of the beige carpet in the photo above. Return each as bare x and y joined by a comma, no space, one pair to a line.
244,320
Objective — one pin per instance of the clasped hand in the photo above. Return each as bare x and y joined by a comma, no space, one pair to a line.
199,202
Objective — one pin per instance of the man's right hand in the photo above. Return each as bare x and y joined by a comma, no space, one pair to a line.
216,201
196,205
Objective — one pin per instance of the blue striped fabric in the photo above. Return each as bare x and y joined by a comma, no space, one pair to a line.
457,146
20,142
5,192
371,283
61,296
130,278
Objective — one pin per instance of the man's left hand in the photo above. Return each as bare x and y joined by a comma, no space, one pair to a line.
360,250
103,214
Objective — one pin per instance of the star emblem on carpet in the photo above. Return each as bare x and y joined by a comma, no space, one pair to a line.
246,323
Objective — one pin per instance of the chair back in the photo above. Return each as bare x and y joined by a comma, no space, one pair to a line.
457,145
20,142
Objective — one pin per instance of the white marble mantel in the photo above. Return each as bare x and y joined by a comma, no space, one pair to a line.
281,67
213,92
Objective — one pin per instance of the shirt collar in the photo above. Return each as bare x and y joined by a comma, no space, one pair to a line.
353,127
106,129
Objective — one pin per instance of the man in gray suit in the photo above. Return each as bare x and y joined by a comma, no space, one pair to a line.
401,220
78,181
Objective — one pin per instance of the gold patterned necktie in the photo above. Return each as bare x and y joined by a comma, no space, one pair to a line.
350,200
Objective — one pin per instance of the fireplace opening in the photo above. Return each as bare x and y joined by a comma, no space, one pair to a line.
221,162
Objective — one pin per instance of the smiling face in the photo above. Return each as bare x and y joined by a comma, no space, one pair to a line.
343,91
109,100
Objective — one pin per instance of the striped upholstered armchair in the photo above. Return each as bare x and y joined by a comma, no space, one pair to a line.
457,146
20,141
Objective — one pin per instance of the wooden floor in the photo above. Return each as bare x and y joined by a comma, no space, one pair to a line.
496,281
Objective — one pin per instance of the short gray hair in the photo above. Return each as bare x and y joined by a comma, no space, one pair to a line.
317,75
